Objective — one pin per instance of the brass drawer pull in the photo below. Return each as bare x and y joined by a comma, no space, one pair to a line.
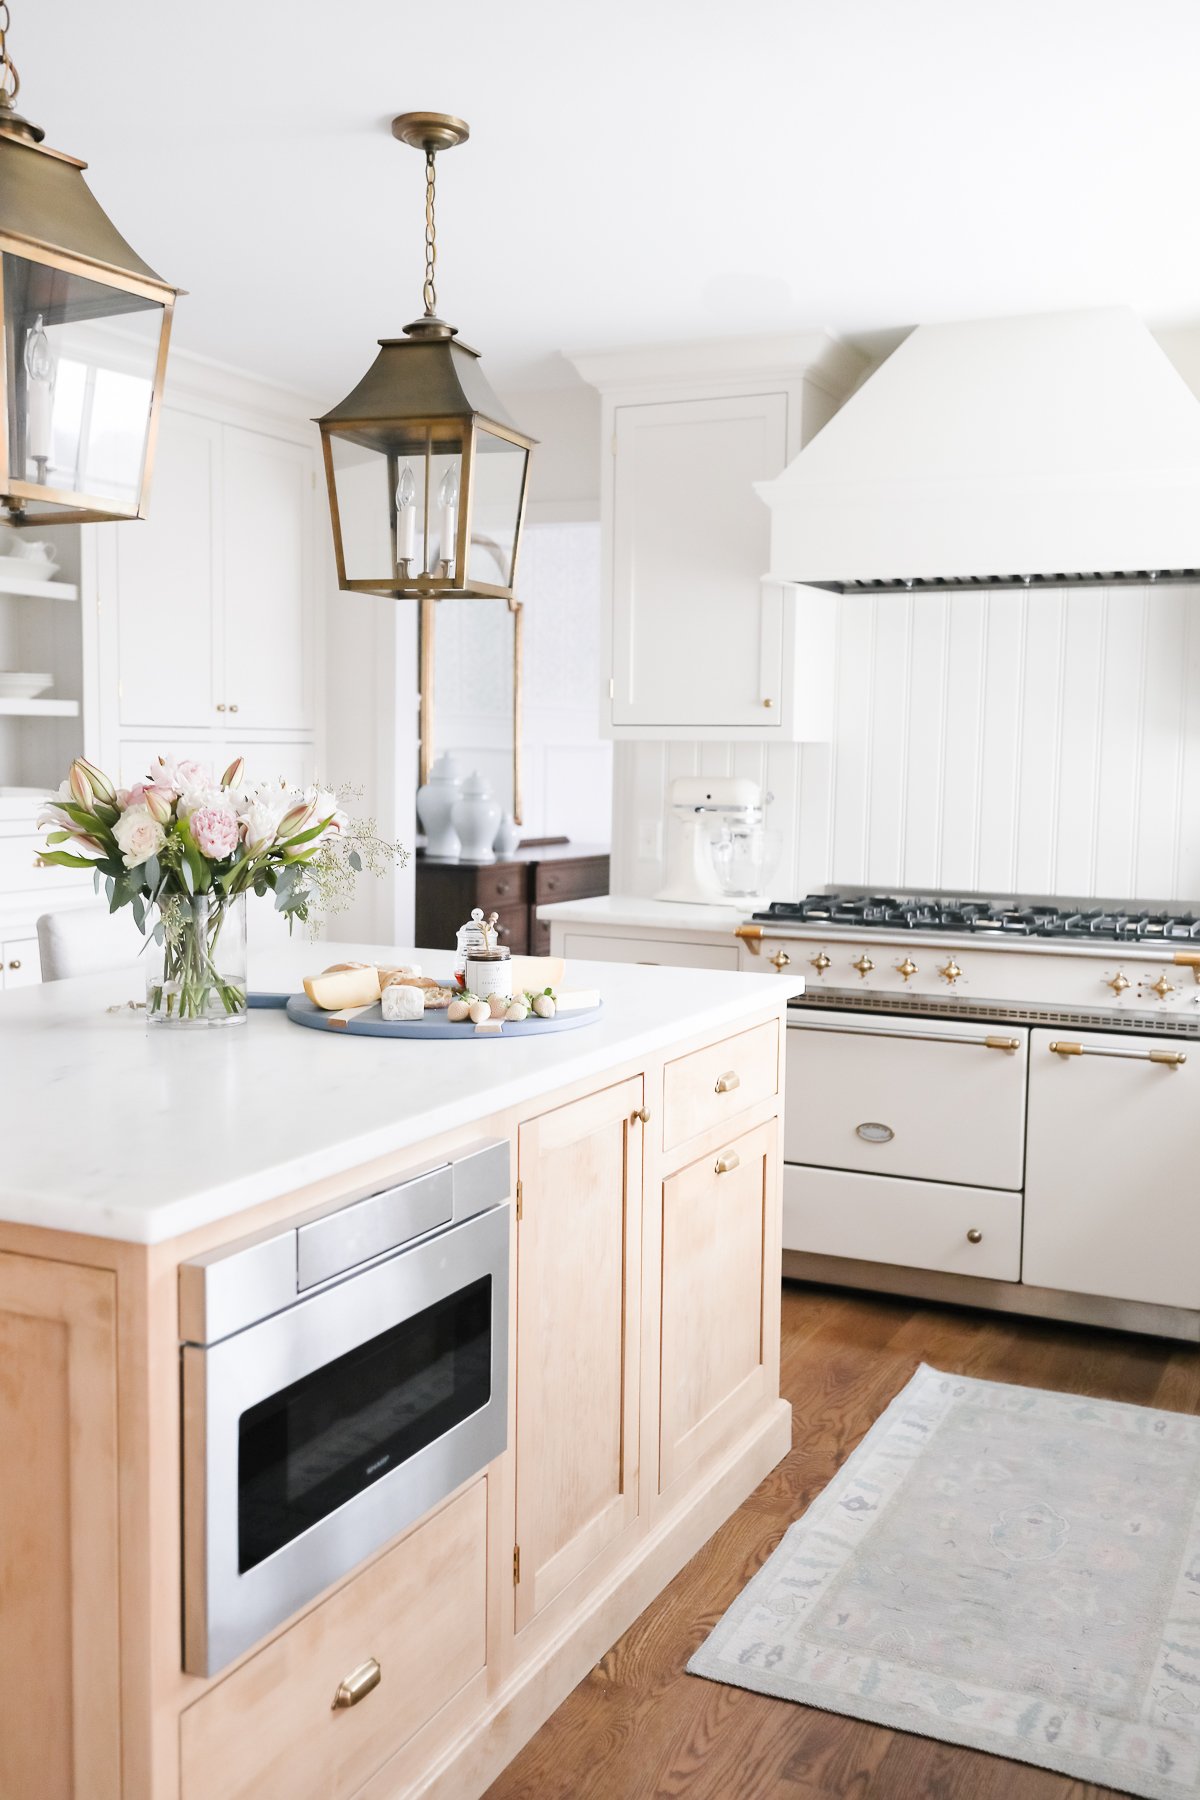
727,1082
643,1113
727,1163
1171,1059
358,1685
974,1236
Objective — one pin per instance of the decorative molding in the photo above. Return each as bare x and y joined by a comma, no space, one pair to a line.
815,356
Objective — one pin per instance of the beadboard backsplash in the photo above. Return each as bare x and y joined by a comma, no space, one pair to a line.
1046,743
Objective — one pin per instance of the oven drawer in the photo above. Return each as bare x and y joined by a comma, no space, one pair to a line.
709,1086
271,1728
933,1100
916,1224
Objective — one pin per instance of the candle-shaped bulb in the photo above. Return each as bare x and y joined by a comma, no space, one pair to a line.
406,487
406,515
39,371
39,359
448,491
448,500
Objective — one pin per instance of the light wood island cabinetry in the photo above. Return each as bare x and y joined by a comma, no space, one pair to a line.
642,1409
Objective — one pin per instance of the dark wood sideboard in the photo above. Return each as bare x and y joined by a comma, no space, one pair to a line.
513,887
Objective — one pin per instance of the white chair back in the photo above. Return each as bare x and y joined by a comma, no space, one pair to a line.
86,940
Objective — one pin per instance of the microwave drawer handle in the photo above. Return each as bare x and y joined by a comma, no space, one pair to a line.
924,1037
1170,1059
357,1685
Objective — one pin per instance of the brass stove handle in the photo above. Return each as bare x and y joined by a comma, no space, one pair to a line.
751,936
1189,959
1170,1059
357,1685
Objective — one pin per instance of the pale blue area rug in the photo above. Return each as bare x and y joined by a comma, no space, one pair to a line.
1000,1567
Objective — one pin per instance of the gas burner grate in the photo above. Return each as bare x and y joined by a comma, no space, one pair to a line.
982,918
915,1006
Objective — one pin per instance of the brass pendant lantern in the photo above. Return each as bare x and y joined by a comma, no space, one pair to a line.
86,326
426,471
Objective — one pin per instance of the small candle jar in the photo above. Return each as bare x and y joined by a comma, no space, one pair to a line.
489,972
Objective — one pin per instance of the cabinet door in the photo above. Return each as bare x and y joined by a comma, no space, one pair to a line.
578,1265
695,640
59,1612
715,1218
267,563
19,963
1110,1169
166,584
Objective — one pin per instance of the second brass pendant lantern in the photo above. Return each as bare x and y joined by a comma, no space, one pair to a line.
426,471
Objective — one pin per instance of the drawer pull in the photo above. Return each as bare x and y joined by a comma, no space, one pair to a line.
643,1113
727,1082
15,963
358,1685
974,1236
800,1023
872,1132
1170,1059
726,1164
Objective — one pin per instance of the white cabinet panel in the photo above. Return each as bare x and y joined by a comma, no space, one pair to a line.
267,553
697,641
1110,1202
604,947
913,1224
19,963
166,582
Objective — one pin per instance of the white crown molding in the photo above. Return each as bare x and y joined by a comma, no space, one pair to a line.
815,356
219,391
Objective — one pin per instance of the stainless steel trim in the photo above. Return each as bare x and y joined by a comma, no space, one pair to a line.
482,1174
1170,1059
927,1037
1023,1012
384,1221
227,1289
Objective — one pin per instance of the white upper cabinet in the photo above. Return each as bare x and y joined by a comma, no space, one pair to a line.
697,644
267,511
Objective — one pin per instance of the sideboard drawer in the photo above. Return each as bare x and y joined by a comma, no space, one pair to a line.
420,1613
717,1083
505,885
580,879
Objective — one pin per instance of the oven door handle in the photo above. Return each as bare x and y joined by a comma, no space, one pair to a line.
1169,1059
925,1037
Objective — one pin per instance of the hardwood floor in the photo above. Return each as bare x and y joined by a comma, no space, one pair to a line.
639,1728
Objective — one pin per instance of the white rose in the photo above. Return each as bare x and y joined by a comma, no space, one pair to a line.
139,835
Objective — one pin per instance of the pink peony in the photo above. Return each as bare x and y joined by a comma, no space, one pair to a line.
215,829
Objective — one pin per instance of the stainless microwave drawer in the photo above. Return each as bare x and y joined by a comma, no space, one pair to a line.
930,1100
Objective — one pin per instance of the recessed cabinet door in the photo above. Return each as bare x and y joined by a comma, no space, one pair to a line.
578,1308
1110,1179
59,1602
268,554
166,584
696,641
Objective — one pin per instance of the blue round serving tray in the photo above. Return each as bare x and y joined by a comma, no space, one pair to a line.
301,1011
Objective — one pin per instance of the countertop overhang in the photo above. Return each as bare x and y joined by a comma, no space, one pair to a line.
116,1129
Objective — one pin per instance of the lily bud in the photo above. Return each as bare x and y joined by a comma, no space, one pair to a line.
158,802
81,787
101,786
297,819
233,774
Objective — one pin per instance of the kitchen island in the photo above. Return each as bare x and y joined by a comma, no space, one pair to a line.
640,1220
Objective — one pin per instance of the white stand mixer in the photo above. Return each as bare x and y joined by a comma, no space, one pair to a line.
703,808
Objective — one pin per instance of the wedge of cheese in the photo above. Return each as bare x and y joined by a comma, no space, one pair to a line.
576,1000
346,984
531,974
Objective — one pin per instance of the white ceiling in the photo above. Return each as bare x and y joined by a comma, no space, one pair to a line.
638,170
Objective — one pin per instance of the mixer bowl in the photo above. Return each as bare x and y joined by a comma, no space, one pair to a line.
745,858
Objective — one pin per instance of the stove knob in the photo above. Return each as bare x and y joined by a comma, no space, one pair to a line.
907,968
820,962
1119,982
781,959
950,971
864,965
1162,987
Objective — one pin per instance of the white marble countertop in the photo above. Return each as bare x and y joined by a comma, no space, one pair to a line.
122,1130
673,916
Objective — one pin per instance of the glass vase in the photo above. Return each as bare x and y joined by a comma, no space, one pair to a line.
197,975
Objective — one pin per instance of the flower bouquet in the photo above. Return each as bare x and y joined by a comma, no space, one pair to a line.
182,850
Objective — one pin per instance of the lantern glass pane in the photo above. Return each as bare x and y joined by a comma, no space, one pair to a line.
366,478
80,363
497,483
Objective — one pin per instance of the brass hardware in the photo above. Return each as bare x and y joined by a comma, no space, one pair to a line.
780,960
1162,987
950,971
726,1083
726,1164
1001,1043
1119,982
864,965
233,708
358,1685
1059,1048
643,1113
1189,959
768,703
15,963
820,962
924,1037
974,1236
520,1200
220,706
907,968
516,1564
751,936
1170,1059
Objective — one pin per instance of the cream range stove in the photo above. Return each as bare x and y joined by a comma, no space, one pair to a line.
994,1103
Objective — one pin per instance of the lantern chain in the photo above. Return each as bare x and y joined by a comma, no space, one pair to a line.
429,290
10,81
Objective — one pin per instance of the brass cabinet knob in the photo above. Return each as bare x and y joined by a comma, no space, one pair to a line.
864,965
643,1113
768,703
974,1236
1119,982
907,968
1162,987
220,706
950,971
727,1082
233,708
726,1164
781,959
358,1684
820,962
15,963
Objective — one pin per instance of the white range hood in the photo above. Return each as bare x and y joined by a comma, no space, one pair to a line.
1057,447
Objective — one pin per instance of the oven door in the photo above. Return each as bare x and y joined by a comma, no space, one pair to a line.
312,1438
